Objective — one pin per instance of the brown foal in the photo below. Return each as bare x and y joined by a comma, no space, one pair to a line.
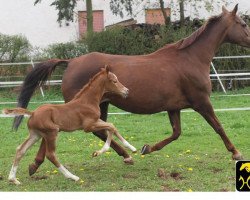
82,112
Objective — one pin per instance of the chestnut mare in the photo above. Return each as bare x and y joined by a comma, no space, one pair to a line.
170,79
81,113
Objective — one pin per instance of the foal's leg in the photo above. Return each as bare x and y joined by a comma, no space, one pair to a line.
106,146
50,140
207,111
20,151
39,158
101,125
125,142
119,150
174,117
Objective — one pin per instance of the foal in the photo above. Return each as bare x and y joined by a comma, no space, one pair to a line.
82,112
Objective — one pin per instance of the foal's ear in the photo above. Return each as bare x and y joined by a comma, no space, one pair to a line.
107,69
224,10
234,11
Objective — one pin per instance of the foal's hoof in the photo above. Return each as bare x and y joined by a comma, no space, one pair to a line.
237,156
32,169
128,161
146,149
14,181
95,154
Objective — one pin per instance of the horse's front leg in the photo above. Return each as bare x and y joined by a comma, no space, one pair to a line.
174,117
207,111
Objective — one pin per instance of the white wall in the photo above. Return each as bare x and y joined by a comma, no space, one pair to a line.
38,23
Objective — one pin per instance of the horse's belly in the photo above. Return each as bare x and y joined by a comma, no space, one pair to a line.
149,105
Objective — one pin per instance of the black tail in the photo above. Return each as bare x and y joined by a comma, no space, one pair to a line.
37,77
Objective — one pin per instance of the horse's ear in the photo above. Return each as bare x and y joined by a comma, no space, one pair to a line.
234,11
224,10
107,69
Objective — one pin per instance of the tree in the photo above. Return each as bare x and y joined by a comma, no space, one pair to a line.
66,11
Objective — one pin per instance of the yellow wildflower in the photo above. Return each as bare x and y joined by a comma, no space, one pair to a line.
190,190
81,181
190,169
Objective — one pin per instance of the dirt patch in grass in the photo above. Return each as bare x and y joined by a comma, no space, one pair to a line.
130,176
176,176
166,188
161,173
37,178
216,170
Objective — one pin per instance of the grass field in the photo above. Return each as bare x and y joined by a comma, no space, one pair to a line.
197,161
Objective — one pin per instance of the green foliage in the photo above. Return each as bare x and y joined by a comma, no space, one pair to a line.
65,9
65,50
14,48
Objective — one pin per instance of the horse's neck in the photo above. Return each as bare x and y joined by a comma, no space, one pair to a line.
205,47
93,94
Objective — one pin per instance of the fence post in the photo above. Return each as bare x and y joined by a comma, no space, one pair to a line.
218,77
41,89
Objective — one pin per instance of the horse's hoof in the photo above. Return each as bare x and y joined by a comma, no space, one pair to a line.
146,149
128,161
32,169
14,181
237,156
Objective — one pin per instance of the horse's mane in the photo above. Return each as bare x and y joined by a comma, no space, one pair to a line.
186,42
87,86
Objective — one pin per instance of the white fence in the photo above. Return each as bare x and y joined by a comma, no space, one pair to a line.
234,76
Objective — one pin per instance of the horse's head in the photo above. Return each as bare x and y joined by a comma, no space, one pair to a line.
113,85
238,31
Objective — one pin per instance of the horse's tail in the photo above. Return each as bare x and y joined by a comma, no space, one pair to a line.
17,111
37,77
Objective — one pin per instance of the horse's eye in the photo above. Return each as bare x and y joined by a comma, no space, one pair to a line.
244,25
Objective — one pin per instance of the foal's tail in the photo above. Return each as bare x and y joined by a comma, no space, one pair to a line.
37,77
17,111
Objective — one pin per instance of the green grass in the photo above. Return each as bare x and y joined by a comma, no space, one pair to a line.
199,156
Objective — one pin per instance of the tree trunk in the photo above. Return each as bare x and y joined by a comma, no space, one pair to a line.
166,18
89,17
182,17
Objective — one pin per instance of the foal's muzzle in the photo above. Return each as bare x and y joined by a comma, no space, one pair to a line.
125,93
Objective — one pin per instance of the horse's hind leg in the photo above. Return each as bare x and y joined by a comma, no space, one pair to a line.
174,117
101,134
21,150
208,113
50,140
39,158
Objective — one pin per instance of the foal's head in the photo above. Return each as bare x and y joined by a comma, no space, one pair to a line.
113,85
238,31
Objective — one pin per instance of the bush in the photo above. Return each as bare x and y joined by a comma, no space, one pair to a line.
14,48
65,50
